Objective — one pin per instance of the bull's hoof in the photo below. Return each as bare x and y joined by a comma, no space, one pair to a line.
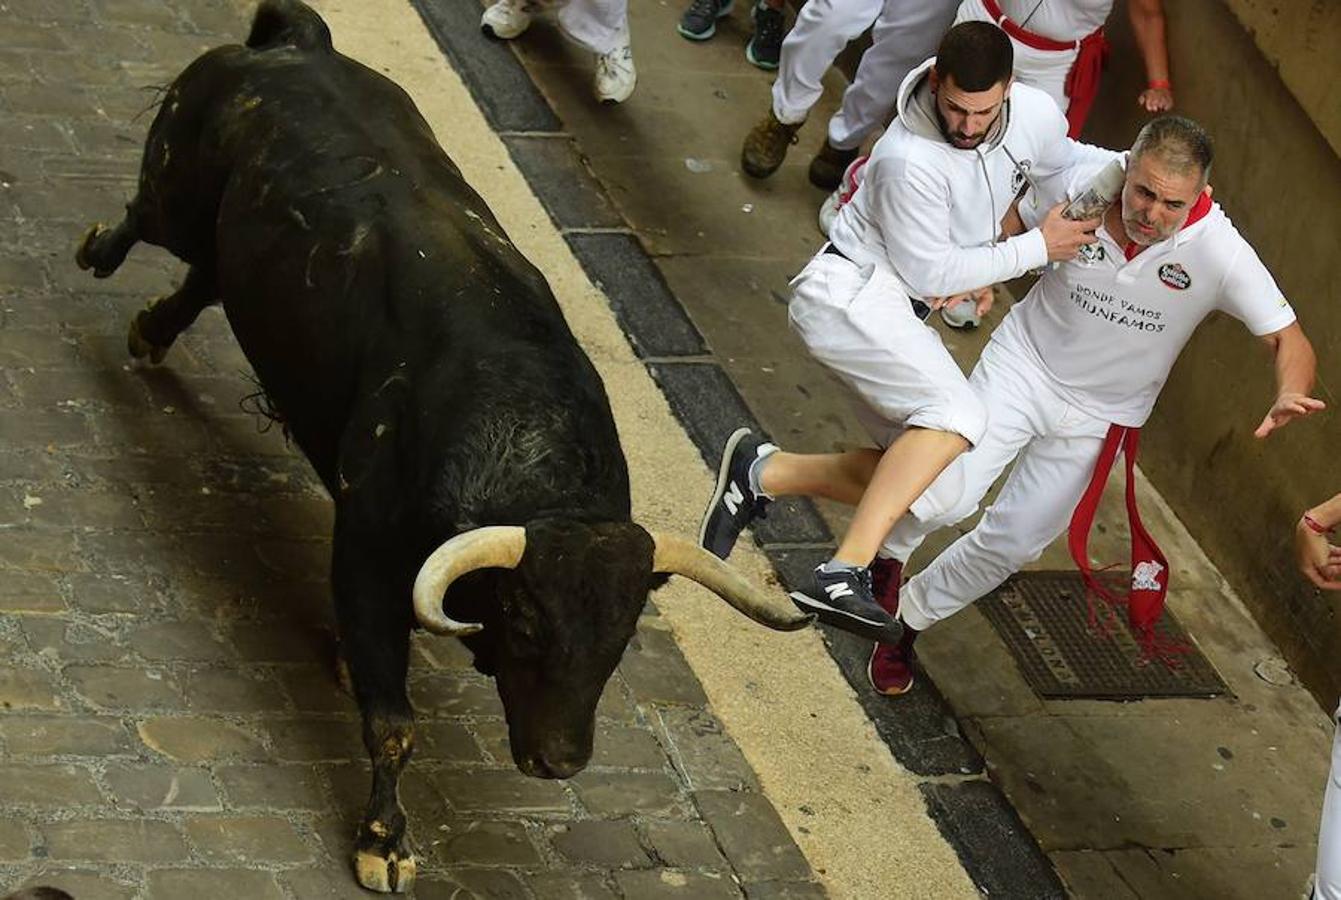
391,874
139,347
82,254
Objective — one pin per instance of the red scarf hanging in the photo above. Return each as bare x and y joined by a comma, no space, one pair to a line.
1149,568
1082,82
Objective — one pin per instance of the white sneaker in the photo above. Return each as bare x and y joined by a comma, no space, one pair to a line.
506,19
963,314
852,176
615,75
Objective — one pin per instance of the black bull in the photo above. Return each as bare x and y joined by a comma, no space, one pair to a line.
426,371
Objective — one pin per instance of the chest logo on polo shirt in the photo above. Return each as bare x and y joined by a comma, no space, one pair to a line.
1092,253
1175,276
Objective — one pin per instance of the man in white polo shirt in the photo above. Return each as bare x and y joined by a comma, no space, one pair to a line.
927,223
1076,367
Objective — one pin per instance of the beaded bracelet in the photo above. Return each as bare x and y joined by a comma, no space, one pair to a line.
1315,526
1160,84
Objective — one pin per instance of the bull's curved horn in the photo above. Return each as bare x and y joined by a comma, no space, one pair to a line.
675,555
490,547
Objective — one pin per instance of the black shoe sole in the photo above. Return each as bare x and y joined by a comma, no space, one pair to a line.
887,633
723,476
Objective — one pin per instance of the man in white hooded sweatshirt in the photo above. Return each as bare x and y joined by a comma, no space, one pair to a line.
926,224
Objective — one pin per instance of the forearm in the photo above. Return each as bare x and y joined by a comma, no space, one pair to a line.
1295,362
1147,25
946,271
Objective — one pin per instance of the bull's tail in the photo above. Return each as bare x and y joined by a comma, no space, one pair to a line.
280,23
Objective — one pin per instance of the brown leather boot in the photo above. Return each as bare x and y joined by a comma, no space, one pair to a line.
829,164
766,146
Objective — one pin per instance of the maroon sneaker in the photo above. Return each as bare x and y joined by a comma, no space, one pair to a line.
886,574
891,667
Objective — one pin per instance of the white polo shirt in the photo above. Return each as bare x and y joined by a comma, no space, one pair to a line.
1060,20
1108,329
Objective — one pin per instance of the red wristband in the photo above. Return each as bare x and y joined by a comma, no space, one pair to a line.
1315,526
1160,84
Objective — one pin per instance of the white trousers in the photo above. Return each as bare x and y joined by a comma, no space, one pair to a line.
600,26
1328,884
1043,69
858,321
1054,445
904,33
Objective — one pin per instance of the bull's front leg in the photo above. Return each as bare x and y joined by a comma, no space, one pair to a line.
155,327
104,249
375,617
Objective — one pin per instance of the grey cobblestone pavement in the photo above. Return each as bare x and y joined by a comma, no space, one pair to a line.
171,725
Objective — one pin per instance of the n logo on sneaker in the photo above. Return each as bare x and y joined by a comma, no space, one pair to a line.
837,590
733,498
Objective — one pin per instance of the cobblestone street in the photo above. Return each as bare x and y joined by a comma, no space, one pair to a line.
172,723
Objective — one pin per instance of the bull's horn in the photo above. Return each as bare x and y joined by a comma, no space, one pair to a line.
490,547
675,555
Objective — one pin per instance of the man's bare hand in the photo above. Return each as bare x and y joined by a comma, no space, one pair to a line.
1319,560
1065,237
1288,406
1156,100
983,298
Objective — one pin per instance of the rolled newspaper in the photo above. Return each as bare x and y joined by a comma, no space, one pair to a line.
1099,195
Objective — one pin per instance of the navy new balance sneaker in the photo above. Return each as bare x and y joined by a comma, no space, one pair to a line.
733,505
846,600
699,21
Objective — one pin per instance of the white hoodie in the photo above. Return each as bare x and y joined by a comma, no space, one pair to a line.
931,212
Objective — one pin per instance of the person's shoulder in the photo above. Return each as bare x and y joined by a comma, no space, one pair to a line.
1035,110
901,150
1216,237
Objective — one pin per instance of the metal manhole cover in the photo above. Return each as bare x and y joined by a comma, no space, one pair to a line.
1044,620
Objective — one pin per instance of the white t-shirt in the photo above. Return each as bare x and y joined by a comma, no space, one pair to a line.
1108,330
1060,20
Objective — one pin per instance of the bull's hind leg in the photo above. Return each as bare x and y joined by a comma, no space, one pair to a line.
155,327
104,249
375,622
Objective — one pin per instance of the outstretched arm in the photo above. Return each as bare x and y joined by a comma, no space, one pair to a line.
1147,24
1295,367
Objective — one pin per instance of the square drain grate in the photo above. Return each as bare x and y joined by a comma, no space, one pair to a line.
1044,620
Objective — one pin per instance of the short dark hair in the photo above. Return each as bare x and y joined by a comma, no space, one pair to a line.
977,55
1180,143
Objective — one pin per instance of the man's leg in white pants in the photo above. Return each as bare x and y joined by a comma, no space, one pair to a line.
601,26
821,31
906,33
956,492
1033,508
1328,884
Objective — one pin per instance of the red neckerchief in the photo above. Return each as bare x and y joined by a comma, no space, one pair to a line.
1149,567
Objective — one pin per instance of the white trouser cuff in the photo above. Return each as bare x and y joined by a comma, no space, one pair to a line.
788,116
912,611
